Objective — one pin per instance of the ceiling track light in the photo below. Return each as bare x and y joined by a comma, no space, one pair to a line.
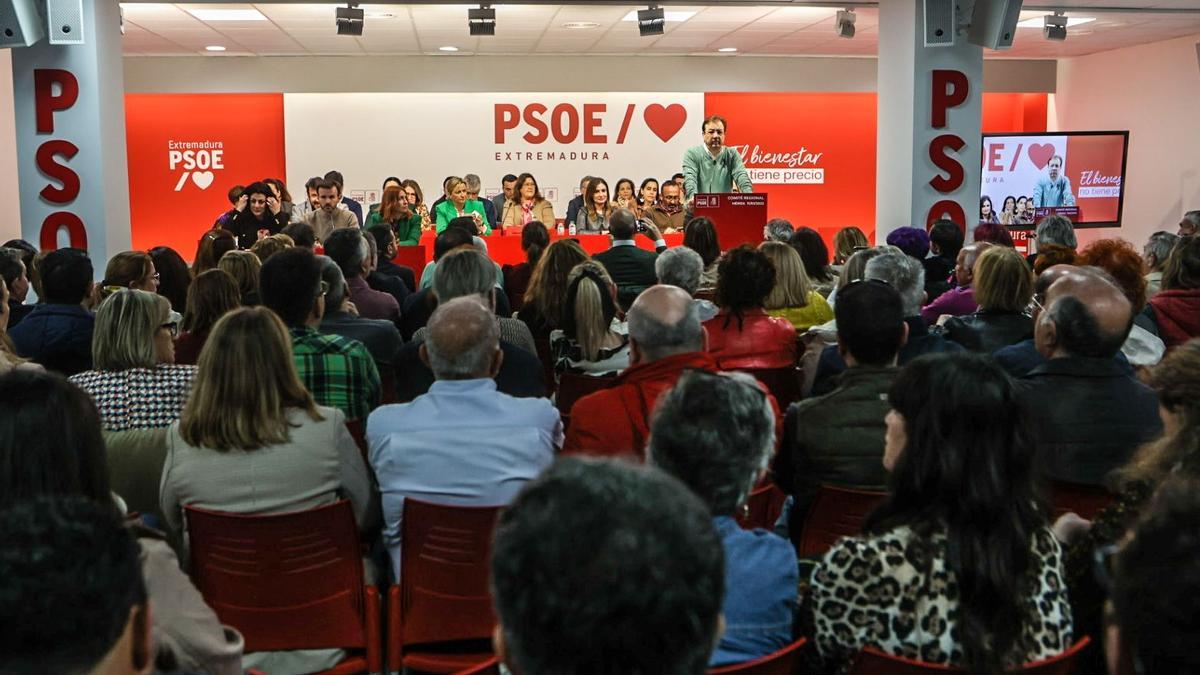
350,20
1054,26
844,25
481,21
651,21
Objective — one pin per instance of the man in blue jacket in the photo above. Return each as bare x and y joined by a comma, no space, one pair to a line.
58,333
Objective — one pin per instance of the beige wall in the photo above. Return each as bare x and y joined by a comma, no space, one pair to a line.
1154,92
10,205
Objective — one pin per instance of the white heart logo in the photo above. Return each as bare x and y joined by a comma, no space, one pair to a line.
202,179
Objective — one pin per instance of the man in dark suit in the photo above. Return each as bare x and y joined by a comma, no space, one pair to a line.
576,202
631,268
521,373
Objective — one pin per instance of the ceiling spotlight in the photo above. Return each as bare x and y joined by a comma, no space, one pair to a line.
1054,26
349,20
651,21
844,25
482,21
215,48
727,50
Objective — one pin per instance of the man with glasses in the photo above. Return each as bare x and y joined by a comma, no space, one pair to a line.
474,185
339,372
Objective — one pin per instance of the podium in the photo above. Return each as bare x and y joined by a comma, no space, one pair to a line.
739,217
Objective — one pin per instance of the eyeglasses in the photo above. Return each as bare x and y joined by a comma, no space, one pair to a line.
323,290
172,327
858,282
1037,302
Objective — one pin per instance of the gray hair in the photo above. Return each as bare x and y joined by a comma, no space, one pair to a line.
779,229
715,432
461,339
904,273
658,340
1192,217
1160,245
680,266
332,275
473,182
463,272
1056,230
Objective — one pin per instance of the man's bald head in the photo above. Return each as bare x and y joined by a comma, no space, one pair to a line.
664,321
964,265
1086,315
462,341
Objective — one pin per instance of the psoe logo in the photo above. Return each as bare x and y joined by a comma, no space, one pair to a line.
196,160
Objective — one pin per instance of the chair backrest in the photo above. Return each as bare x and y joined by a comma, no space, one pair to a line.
411,256
786,661
286,581
135,465
783,383
763,507
444,572
835,513
489,667
573,386
871,661
1085,500
358,431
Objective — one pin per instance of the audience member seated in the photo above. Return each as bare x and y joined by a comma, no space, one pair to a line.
1053,230
469,272
379,337
945,242
994,233
1175,309
741,335
344,203
958,566
174,276
1189,225
593,340
526,205
418,306
665,338
913,241
667,213
629,266
700,235
396,214
715,432
778,229
1121,261
51,446
1088,412
268,246
546,295
837,439
683,267
811,247
534,240
350,250
1053,254
596,212
130,269
245,268
339,372
302,235
213,244
8,355
211,295
960,299
136,383
58,332
1155,255
16,280
260,212
629,570
386,247
792,298
1155,618
458,205
417,448
907,276
376,280
1019,359
252,440
847,242
1003,288
329,217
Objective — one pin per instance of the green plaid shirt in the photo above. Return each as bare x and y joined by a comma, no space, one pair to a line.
338,371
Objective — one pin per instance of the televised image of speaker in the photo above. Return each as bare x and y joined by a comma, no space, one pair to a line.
939,23
64,21
20,23
994,23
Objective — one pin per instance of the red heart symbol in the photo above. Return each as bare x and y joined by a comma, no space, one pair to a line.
666,121
1040,154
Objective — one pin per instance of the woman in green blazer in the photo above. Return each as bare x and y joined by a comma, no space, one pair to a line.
457,205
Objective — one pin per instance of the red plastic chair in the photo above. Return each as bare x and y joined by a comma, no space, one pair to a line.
1085,500
289,581
444,594
783,383
763,507
573,386
489,667
871,661
786,661
835,513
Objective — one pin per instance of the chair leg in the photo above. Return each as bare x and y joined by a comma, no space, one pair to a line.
374,630
393,630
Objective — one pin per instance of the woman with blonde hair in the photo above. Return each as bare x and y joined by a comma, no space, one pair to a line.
268,246
793,298
244,267
846,242
592,339
135,381
130,269
457,204
210,296
546,295
8,351
1003,287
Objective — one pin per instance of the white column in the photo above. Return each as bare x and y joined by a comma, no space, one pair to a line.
930,106
70,129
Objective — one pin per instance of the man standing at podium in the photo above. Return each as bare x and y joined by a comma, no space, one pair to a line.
713,167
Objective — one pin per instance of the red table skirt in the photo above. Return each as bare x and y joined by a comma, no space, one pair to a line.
506,250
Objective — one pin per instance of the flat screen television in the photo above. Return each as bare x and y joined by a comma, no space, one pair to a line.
1079,174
